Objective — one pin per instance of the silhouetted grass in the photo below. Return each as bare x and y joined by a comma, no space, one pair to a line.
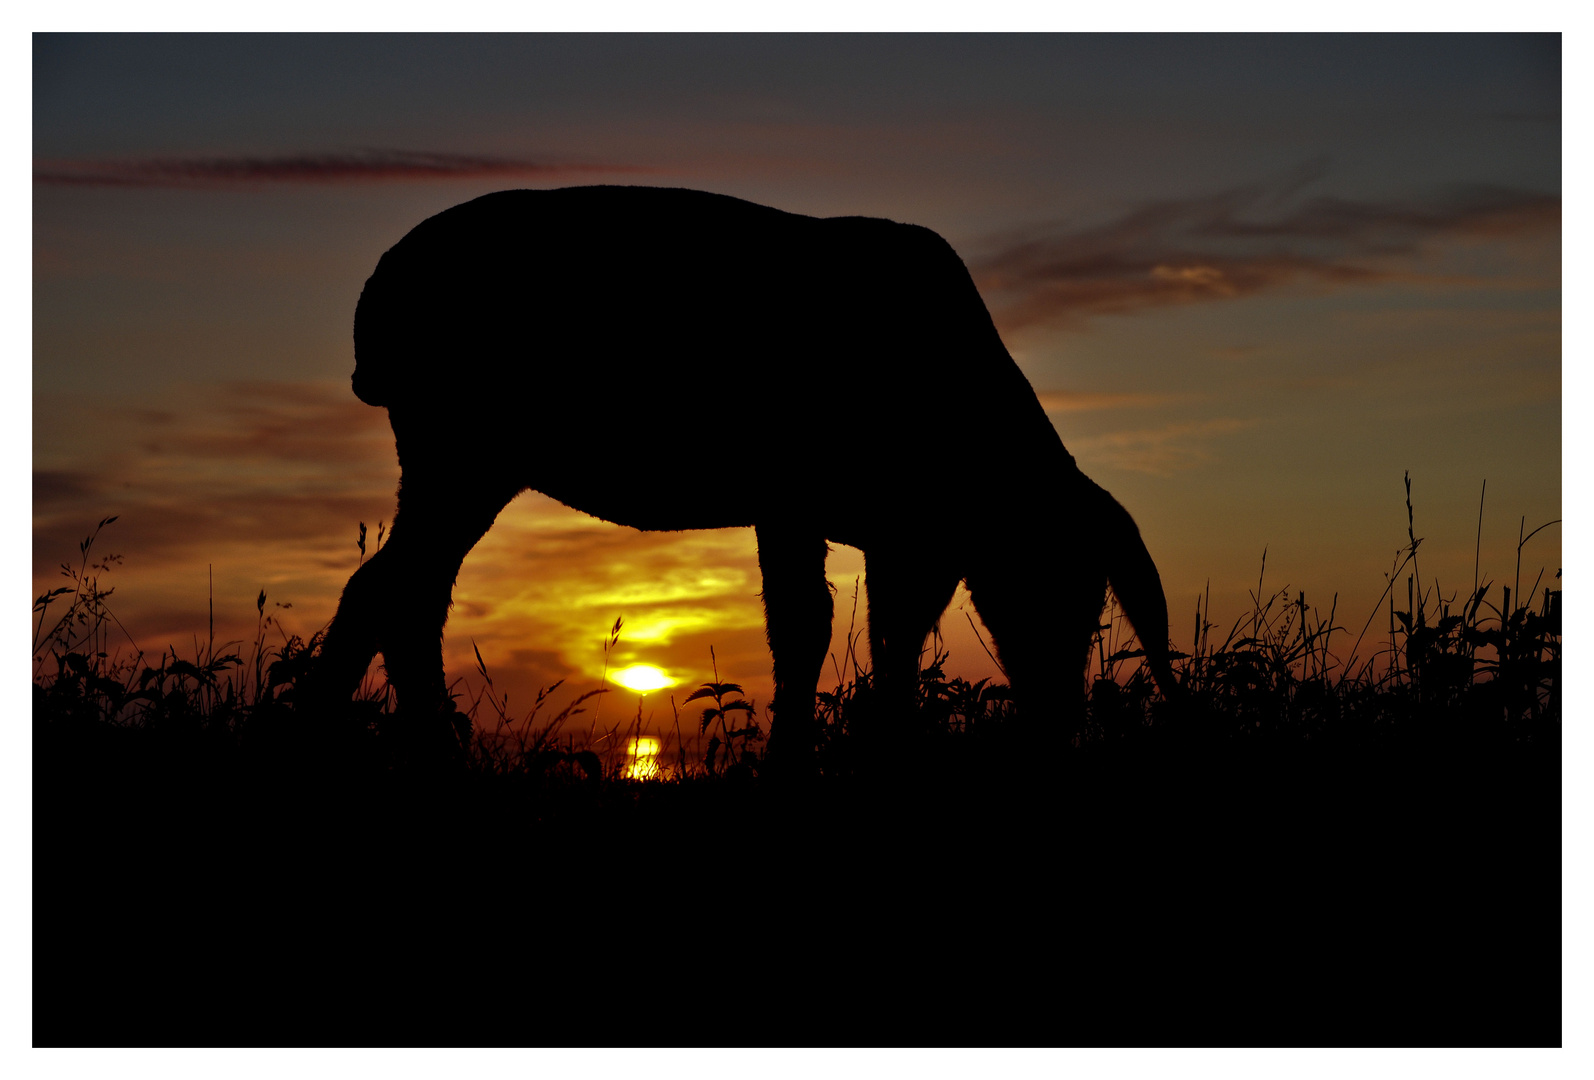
1463,669
1362,822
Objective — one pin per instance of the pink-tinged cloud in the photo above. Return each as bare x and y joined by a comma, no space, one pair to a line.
1238,243
1161,451
365,166
1063,401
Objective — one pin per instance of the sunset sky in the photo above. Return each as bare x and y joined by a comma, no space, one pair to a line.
1253,279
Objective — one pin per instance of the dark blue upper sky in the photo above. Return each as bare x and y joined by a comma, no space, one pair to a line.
1155,113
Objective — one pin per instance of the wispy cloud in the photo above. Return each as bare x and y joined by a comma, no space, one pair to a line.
360,166
1160,451
316,422
1237,243
203,468
222,491
1061,401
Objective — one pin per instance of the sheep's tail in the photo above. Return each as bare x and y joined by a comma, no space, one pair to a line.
1138,586
373,323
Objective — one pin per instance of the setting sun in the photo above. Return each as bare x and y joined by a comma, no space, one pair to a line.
644,753
643,678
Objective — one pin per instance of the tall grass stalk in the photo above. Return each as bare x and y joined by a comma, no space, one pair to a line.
1484,666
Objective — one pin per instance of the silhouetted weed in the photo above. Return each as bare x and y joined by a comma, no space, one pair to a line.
1396,812
737,742
1473,670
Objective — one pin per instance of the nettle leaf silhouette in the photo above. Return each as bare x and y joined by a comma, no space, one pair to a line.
713,690
723,712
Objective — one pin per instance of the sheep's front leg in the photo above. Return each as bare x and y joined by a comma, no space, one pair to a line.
797,612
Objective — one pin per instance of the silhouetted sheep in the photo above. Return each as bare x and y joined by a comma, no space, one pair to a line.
546,339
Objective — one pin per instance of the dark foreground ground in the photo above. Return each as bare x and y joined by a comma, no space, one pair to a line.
1238,894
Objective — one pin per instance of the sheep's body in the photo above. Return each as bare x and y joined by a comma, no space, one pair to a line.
670,359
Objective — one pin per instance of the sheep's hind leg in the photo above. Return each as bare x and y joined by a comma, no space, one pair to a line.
436,526
397,604
352,639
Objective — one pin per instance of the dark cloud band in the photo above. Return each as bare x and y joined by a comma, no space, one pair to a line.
371,166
